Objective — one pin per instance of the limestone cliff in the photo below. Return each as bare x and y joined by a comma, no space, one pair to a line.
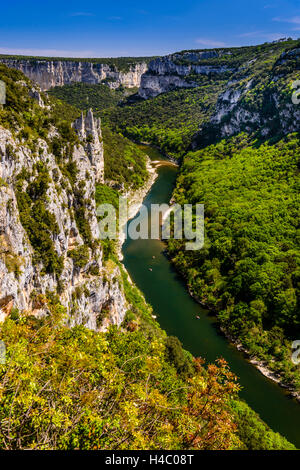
256,86
179,71
51,73
259,102
89,132
49,236
255,82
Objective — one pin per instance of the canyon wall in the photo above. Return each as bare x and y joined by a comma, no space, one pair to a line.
39,199
50,73
249,104
178,71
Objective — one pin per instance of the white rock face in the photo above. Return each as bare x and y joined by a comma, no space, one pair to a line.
167,73
95,300
233,114
49,74
89,130
153,85
230,105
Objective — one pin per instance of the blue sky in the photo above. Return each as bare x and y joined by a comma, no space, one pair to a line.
133,28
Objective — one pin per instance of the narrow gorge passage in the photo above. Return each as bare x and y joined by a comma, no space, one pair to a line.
176,312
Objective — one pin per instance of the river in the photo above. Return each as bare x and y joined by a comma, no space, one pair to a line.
176,312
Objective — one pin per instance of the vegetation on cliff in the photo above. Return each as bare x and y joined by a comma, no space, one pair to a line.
85,96
122,64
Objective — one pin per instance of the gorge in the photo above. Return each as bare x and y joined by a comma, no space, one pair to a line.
226,116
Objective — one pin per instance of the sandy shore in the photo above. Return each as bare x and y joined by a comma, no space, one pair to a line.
262,366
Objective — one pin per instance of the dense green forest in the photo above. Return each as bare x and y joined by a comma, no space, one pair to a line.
248,271
154,120
85,96
171,120
168,121
124,162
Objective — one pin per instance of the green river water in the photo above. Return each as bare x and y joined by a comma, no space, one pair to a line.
176,312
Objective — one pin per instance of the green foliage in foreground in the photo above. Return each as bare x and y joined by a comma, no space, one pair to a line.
248,270
129,388
74,388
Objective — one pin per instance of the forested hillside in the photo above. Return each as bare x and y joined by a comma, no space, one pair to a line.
168,121
248,90
84,96
248,271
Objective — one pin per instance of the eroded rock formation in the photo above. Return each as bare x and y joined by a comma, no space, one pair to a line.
91,293
51,73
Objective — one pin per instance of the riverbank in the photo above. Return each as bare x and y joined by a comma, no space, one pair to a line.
151,146
180,315
260,365
135,198
135,201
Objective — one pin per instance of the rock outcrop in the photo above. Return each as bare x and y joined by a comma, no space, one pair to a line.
91,292
88,129
247,104
51,73
178,71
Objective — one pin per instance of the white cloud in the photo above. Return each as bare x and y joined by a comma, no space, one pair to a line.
262,35
270,5
210,43
81,13
115,18
251,34
293,20
46,52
